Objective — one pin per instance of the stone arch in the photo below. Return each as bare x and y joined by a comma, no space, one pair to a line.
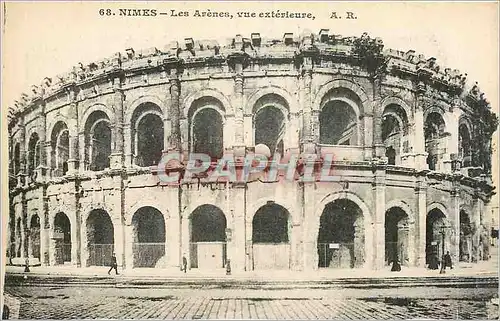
142,100
367,223
440,206
397,234
149,236
207,135
207,236
279,91
96,107
63,225
393,100
70,124
147,201
90,207
439,110
189,210
206,92
271,230
98,237
339,83
339,117
59,141
147,137
97,147
436,217
256,205
402,205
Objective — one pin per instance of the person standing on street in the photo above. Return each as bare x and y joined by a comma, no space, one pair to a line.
114,265
447,260
184,263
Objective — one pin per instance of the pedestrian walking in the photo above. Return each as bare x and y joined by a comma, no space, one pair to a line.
27,265
114,265
184,263
228,267
447,261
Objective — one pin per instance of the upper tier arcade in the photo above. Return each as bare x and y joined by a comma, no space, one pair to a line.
329,94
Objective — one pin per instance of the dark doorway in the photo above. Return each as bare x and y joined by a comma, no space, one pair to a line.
62,236
208,237
341,235
149,237
100,238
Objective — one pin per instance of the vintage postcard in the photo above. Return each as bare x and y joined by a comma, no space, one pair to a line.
250,160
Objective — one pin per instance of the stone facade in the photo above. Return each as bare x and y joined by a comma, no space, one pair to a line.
410,141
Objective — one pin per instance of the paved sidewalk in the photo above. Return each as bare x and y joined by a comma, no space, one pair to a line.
482,269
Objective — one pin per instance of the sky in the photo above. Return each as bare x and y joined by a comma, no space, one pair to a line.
45,39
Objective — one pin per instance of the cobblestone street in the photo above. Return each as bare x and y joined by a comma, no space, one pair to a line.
142,303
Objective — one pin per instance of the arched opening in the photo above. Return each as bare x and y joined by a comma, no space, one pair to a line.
271,237
62,238
465,237
34,154
341,240
435,144
464,146
396,236
97,141
149,237
100,238
394,133
206,127
35,236
59,149
19,238
338,118
208,237
269,122
147,134
437,232
338,124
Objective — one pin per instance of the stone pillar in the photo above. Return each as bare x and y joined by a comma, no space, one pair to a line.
237,245
412,255
127,133
238,104
421,221
75,248
305,100
116,157
185,237
24,227
73,157
119,242
418,135
175,113
42,169
73,154
451,154
368,136
454,216
83,154
248,242
173,230
129,243
310,227
294,129
476,223
21,175
379,219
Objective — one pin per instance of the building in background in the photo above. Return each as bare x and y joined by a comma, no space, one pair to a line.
411,146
